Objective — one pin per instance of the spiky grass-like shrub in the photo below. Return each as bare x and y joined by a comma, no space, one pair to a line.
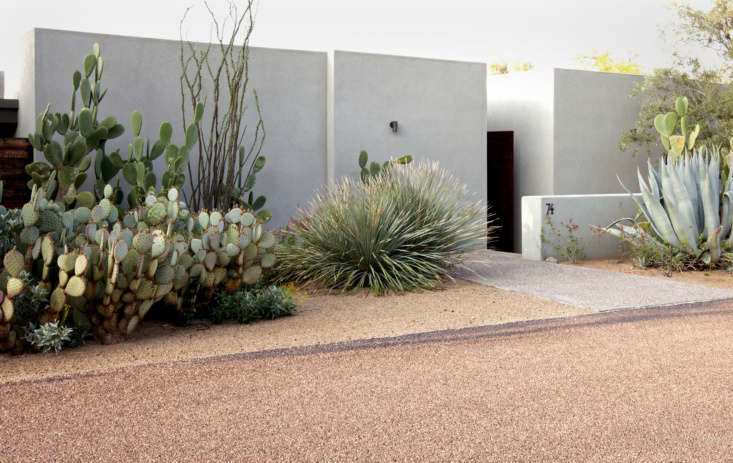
401,231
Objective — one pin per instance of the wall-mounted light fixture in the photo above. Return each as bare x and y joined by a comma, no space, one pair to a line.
393,125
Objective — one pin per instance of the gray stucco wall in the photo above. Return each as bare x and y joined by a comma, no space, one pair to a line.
440,107
592,110
142,74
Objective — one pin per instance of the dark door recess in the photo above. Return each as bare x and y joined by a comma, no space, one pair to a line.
500,162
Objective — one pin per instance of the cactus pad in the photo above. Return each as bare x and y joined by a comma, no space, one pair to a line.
76,287
85,199
173,194
232,249
164,274
80,265
215,218
29,215
13,262
210,260
29,235
250,252
142,242
14,287
82,215
247,219
156,214
48,221
267,240
268,260
145,289
203,219
158,246
58,299
129,221
252,274
132,324
47,249
8,309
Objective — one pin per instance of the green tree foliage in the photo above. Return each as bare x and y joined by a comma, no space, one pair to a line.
711,103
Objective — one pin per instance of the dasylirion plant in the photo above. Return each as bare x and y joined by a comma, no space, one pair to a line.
81,134
686,206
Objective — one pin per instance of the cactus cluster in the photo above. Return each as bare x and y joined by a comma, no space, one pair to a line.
108,269
138,170
665,124
231,249
374,169
81,134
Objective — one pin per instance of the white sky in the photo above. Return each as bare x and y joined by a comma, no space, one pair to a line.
547,33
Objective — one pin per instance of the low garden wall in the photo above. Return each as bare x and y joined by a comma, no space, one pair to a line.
555,226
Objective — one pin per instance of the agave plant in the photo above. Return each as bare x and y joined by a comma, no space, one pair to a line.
397,232
687,206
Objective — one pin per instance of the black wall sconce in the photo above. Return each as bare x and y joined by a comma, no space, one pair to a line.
393,125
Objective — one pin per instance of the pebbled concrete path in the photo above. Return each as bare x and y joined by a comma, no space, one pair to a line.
593,289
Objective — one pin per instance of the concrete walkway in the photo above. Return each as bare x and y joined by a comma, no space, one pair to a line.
593,289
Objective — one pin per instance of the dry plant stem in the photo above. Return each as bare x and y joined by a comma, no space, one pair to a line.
220,166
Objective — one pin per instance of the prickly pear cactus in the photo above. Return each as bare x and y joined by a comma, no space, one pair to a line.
81,134
232,249
665,124
11,285
107,269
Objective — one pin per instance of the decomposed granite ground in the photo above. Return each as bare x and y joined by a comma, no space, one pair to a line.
320,319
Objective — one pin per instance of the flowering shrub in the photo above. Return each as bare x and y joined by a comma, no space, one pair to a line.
564,239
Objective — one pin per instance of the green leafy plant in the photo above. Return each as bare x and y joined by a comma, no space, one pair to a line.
397,232
564,240
81,134
256,304
710,103
375,169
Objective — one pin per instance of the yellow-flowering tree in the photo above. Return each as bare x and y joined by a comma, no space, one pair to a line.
604,62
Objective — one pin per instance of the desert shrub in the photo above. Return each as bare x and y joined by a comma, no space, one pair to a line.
49,336
397,232
257,304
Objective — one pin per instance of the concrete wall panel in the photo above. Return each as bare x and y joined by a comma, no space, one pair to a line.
440,107
143,73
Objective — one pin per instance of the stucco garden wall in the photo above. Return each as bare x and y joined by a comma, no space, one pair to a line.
440,107
142,74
